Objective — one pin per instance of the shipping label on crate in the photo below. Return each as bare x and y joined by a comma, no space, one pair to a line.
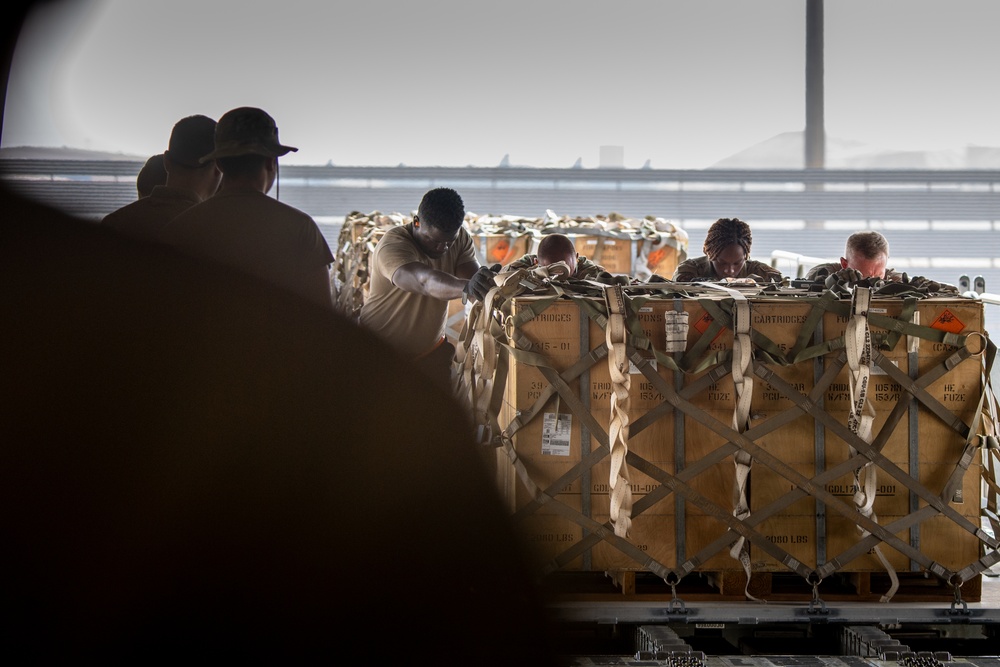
556,430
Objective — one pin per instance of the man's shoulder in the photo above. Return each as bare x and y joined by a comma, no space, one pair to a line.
194,211
245,204
397,232
145,212
695,262
525,262
125,212
270,204
761,268
395,236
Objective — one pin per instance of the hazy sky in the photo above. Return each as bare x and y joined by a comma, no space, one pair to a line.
681,83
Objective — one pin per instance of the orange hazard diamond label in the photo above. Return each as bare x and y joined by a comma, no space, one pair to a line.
500,251
702,324
655,257
947,321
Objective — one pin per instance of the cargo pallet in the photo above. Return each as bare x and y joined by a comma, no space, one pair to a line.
730,586
618,413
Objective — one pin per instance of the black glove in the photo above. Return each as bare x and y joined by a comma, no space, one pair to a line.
927,285
922,283
481,282
624,281
848,276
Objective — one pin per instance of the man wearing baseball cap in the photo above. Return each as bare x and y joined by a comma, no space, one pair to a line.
153,173
241,226
189,180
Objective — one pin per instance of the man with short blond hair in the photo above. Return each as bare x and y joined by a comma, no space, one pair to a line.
865,256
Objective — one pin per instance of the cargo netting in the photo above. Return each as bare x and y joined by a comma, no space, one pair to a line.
674,428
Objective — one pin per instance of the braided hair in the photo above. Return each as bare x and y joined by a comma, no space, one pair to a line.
725,232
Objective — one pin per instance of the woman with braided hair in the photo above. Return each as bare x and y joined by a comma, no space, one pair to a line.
727,255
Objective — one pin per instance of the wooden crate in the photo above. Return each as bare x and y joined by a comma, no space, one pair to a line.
616,255
567,527
495,248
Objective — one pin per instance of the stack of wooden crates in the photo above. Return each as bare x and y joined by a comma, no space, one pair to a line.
623,246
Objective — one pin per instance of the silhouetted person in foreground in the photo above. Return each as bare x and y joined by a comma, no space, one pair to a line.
197,464
189,181
151,174
241,226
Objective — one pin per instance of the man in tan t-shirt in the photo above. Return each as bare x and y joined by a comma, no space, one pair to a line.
416,270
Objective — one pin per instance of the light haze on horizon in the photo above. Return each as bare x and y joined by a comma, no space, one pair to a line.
682,84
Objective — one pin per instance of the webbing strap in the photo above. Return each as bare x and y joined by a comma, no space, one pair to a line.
719,321
892,324
559,384
884,463
690,471
813,320
906,315
618,366
572,373
743,383
858,341
745,442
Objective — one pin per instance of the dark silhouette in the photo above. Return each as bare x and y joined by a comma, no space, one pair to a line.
196,463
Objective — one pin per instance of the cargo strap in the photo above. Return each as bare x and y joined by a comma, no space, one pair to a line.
742,375
815,488
894,327
618,364
482,362
743,383
935,503
858,341
990,440
746,528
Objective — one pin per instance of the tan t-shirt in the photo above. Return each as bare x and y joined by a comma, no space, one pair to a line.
412,323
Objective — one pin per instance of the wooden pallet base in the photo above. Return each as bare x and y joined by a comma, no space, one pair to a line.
730,586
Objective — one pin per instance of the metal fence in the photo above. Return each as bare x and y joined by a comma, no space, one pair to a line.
94,188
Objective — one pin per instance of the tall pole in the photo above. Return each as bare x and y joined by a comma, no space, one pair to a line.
815,135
